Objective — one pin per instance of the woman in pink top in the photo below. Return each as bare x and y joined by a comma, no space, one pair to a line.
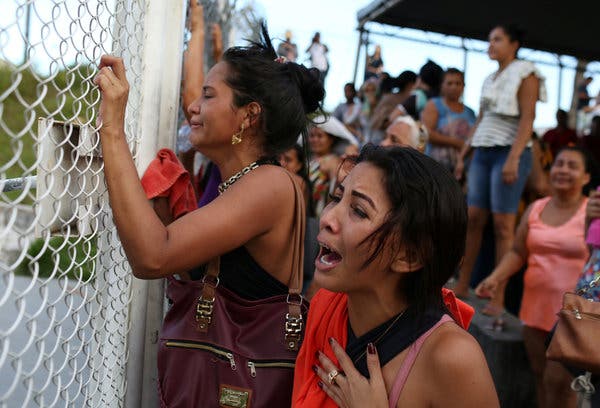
550,239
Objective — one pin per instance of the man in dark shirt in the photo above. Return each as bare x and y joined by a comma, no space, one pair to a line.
561,135
583,97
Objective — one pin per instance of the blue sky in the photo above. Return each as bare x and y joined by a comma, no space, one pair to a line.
336,21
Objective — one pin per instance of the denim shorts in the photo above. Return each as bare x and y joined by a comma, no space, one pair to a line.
486,189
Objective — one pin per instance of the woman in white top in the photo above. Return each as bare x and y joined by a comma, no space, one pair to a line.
318,55
502,158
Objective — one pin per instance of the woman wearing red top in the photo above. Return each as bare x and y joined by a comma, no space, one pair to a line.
380,330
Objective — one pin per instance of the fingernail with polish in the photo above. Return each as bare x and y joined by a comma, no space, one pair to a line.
320,384
371,348
314,368
331,340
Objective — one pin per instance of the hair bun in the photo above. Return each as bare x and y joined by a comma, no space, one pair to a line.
310,85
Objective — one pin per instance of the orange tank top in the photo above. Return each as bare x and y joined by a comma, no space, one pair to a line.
557,255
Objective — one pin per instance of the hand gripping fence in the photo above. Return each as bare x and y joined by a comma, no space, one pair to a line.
76,329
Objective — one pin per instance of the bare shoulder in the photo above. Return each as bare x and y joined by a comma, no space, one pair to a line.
266,180
430,105
262,196
452,345
430,110
458,369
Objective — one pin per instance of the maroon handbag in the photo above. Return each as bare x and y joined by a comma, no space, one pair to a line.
219,350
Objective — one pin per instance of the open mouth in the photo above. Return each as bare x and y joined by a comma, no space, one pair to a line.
328,257
561,180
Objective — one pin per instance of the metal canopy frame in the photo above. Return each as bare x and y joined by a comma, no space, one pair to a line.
564,28
451,19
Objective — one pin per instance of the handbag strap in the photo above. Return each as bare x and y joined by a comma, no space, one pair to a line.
294,300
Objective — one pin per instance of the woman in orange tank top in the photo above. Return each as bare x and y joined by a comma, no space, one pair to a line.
550,239
381,328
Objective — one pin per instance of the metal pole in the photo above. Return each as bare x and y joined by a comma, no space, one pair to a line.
27,28
465,56
361,30
160,80
560,78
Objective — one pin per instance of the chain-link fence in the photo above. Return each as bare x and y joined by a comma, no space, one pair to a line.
75,328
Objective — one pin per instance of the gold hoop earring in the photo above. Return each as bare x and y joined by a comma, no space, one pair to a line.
237,137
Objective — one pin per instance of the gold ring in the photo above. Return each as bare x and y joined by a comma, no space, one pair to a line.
331,376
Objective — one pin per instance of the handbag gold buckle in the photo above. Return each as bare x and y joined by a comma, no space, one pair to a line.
206,301
204,310
293,331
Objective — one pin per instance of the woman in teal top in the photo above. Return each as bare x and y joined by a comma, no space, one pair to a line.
448,120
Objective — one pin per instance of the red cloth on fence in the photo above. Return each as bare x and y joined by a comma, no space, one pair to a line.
328,317
166,177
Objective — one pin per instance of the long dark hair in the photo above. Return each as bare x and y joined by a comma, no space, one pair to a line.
405,79
428,220
432,74
287,92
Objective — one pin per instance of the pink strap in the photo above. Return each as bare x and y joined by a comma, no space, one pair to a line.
409,360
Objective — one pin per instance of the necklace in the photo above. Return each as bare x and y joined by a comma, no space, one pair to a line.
226,184
381,336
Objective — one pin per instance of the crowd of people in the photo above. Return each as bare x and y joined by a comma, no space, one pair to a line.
390,194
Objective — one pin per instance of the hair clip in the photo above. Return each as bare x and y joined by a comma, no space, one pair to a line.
281,60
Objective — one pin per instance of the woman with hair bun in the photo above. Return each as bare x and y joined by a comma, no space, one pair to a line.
253,106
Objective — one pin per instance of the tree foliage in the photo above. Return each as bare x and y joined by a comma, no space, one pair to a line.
25,96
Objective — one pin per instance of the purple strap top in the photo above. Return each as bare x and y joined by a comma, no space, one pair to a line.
593,235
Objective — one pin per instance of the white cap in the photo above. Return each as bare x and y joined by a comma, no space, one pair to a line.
335,128
415,131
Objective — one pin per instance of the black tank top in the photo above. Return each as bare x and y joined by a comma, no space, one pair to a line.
389,339
241,274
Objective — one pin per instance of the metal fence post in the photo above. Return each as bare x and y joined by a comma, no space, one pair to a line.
159,86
